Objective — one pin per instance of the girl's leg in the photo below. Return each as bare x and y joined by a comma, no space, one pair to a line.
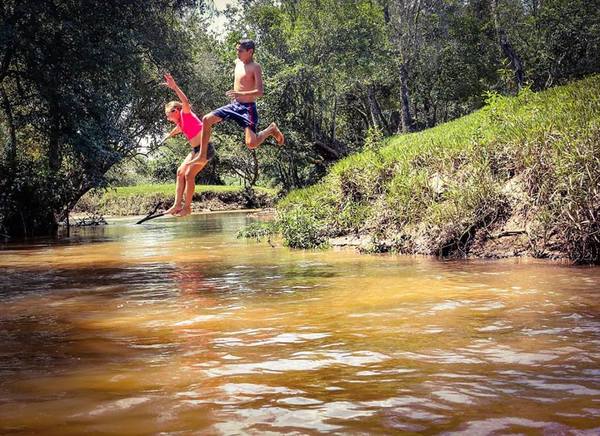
253,140
190,186
179,187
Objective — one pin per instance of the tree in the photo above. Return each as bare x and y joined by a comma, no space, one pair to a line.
78,92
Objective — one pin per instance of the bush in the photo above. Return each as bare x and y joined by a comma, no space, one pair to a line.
258,231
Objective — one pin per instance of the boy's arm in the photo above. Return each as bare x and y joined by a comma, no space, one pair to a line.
170,82
260,89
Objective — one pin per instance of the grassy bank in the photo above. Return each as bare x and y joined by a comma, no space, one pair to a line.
520,176
138,199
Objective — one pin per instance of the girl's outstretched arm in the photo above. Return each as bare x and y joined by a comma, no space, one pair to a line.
170,82
176,131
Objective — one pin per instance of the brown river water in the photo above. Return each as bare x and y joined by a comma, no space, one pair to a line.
177,327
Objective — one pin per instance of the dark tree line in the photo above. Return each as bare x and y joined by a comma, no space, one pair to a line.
77,88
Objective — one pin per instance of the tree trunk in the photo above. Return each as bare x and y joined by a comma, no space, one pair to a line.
6,60
395,121
374,119
11,152
507,48
535,6
255,173
427,111
333,118
54,138
333,153
407,120
375,110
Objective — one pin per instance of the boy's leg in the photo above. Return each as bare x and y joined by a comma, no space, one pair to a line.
208,121
190,185
254,140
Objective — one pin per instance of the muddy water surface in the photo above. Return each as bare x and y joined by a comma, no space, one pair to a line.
178,327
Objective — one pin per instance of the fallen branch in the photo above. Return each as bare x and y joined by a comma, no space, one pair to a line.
508,233
151,215
92,219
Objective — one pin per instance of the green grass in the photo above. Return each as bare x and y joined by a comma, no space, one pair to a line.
139,199
536,155
169,188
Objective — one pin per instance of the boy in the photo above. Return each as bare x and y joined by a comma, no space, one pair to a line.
247,87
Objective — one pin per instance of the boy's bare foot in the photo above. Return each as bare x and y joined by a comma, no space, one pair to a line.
173,210
278,135
185,211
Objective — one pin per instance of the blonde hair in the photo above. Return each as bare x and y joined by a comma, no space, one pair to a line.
170,105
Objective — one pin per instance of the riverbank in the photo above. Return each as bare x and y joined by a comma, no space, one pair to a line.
519,177
140,199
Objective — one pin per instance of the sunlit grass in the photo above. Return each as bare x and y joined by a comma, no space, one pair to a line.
169,188
139,199
428,192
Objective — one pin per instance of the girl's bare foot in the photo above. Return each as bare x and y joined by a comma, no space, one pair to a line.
173,210
185,211
278,135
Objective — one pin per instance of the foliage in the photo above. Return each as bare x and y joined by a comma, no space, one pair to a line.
335,70
258,230
302,217
128,172
78,92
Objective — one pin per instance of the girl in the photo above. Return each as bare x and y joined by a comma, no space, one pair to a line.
186,121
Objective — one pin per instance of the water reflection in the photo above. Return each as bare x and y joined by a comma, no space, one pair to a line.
176,326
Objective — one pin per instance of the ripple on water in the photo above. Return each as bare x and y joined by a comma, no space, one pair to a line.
446,305
574,389
454,396
112,407
290,338
506,354
257,389
274,366
312,417
488,306
543,331
406,401
198,319
509,425
283,338
299,401
274,417
441,356
302,361
385,372
496,326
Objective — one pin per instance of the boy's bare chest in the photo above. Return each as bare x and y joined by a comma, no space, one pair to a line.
244,75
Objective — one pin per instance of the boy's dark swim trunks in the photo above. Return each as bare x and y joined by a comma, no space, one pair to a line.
244,114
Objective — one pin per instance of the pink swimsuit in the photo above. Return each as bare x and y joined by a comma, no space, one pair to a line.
189,124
